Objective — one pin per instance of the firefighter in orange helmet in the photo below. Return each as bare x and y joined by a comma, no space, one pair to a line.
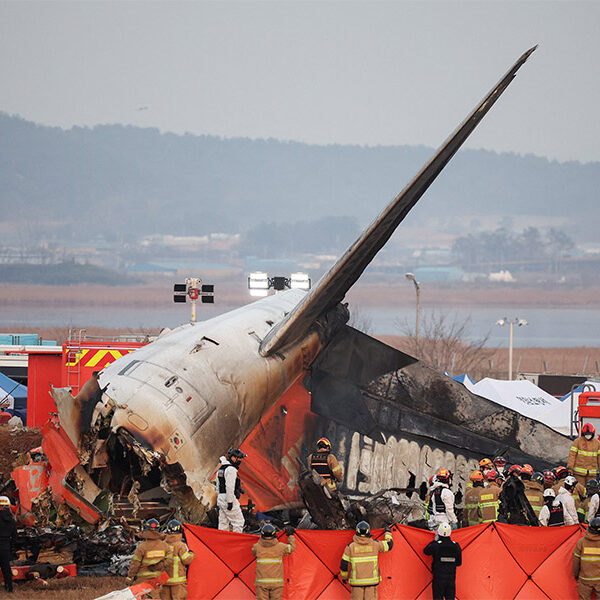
584,456
485,465
489,500
472,509
534,491
326,465
179,557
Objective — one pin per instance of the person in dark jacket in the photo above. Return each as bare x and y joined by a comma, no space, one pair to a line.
8,537
446,556
514,506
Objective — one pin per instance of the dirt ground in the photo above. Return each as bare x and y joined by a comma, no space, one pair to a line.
14,442
70,588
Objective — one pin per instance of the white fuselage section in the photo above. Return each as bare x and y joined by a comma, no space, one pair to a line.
200,389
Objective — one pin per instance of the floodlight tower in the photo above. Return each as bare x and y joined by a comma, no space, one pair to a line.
511,323
259,283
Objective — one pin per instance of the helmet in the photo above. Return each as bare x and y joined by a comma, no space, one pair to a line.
174,526
4,501
594,525
500,461
363,529
443,475
560,472
444,530
491,475
537,476
592,485
236,453
549,493
323,443
549,478
476,476
268,531
485,463
151,525
570,481
588,428
527,471
514,469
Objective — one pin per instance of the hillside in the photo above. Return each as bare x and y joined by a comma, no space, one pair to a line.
122,181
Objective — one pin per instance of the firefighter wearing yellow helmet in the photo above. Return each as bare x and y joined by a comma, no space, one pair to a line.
326,465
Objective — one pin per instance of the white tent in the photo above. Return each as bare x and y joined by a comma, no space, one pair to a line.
519,395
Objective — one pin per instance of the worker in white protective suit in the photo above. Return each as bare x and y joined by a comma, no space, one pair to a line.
229,489
442,502
565,497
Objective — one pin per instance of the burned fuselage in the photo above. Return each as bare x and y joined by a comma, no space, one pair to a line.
164,414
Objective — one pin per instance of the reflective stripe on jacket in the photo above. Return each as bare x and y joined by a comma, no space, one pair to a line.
586,558
472,508
489,502
584,457
150,557
327,466
360,561
534,492
269,561
179,558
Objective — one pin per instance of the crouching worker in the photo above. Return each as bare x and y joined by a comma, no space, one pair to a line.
269,552
360,562
150,557
179,557
586,562
446,556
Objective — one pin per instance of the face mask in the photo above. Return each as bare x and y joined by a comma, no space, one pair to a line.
588,436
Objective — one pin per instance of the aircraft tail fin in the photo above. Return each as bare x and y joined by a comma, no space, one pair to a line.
332,287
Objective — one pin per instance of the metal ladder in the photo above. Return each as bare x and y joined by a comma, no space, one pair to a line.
74,356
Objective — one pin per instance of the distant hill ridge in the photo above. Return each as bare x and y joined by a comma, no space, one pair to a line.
122,179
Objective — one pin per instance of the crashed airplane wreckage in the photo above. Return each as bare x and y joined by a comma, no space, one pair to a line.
157,420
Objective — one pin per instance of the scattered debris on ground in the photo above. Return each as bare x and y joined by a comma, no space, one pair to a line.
70,588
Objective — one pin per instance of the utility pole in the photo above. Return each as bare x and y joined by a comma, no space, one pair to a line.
411,277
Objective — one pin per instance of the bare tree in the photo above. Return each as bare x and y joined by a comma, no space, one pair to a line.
444,345
360,320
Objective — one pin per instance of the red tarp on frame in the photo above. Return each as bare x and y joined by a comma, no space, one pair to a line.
500,562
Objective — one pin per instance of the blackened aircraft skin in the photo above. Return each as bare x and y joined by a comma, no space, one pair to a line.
183,400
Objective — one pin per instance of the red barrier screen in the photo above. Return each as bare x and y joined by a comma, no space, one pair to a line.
500,562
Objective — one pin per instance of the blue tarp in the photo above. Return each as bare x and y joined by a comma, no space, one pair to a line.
9,387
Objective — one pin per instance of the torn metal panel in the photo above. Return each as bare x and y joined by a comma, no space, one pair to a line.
63,459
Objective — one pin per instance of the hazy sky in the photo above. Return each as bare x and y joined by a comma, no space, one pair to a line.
320,72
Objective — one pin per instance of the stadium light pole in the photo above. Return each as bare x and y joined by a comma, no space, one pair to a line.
511,324
411,277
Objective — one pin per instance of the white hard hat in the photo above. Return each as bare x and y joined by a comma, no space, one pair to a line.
4,501
444,530
549,493
570,480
